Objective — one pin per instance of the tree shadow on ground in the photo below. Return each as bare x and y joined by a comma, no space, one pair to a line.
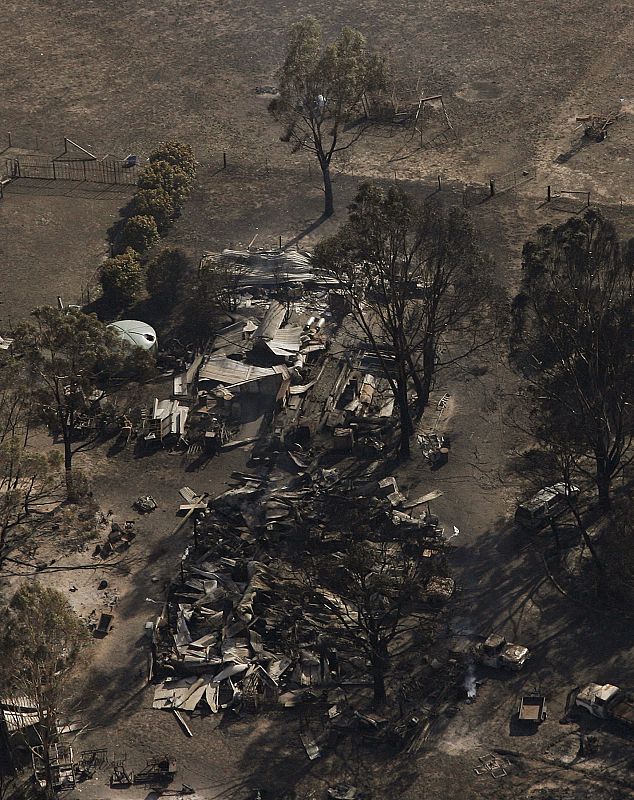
505,588
306,231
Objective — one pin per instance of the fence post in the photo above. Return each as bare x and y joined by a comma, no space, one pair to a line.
439,184
83,163
588,199
280,241
492,187
224,161
54,174
548,195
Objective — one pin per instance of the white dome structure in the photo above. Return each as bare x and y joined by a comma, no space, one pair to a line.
136,334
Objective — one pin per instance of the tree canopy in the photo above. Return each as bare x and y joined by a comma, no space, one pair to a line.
167,275
570,345
419,288
66,357
178,154
122,277
156,203
28,478
40,639
321,87
140,233
171,179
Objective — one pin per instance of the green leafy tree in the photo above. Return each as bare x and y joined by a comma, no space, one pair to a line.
571,345
172,179
66,357
178,154
156,203
40,639
140,233
122,278
321,87
167,275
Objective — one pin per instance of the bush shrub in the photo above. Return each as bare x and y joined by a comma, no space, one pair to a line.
140,233
168,274
154,203
177,154
122,278
162,175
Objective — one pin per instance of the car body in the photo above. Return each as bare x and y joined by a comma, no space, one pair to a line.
496,652
549,503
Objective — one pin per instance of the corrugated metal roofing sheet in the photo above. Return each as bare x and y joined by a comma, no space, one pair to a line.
229,372
268,267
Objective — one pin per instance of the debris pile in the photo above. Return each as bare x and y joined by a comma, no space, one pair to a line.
241,630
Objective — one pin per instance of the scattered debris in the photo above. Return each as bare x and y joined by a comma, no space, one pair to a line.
145,505
104,625
184,725
343,791
493,765
596,125
310,746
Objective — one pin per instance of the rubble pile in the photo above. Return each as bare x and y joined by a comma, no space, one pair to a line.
240,629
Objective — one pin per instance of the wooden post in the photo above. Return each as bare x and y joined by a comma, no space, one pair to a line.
54,175
548,195
492,187
280,242
224,161
439,184
588,199
83,163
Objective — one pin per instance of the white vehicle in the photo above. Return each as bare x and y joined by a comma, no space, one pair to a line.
606,701
547,504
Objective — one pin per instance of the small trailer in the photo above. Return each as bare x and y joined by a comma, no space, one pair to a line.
532,709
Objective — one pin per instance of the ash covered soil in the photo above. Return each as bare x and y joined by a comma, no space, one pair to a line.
119,77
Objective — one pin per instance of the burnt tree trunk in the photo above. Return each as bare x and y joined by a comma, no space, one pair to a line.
68,466
407,427
329,203
379,662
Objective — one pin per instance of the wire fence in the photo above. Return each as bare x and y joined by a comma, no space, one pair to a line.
94,171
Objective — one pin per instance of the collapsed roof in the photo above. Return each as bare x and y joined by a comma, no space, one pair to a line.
228,372
267,267
282,341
